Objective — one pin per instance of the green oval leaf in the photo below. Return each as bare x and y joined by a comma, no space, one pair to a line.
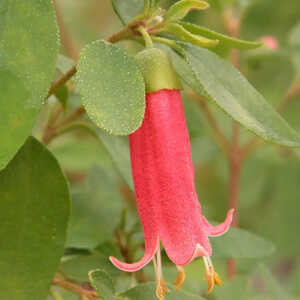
112,88
103,284
217,80
224,40
34,211
127,10
28,51
239,243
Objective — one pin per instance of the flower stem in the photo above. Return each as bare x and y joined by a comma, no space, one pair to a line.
146,36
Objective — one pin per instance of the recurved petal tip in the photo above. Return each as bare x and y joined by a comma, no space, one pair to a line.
221,228
130,267
151,249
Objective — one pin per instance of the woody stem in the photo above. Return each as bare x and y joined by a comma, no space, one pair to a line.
235,158
235,165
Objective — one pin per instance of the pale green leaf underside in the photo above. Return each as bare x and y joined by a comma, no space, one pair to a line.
239,243
217,80
28,51
118,149
224,40
112,88
34,211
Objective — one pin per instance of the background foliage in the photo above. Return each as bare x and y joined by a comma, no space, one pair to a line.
34,192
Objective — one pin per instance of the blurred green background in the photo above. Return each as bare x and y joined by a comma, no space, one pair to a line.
269,198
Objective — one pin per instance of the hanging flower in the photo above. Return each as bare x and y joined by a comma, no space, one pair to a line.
163,176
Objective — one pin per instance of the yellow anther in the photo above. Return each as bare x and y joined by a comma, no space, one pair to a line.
209,277
180,278
161,289
212,278
218,280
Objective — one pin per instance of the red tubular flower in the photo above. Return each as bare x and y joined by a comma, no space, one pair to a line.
163,176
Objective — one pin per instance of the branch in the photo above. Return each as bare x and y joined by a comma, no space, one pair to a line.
53,130
292,93
232,24
77,289
126,32
61,81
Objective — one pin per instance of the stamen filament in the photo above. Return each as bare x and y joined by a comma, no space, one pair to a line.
161,288
211,276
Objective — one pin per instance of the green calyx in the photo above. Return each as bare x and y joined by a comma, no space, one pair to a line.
157,70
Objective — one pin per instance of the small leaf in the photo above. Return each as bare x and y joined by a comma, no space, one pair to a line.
103,284
62,94
127,10
181,33
28,51
217,80
78,268
239,243
224,40
181,8
146,291
34,211
112,88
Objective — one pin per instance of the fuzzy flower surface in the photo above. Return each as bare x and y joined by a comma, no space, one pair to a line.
167,202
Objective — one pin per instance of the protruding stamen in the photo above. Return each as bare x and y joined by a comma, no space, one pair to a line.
161,288
180,278
211,276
